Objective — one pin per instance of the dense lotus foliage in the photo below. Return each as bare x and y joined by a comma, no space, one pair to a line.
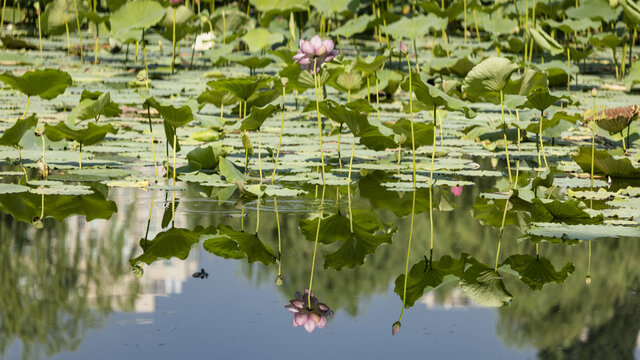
379,119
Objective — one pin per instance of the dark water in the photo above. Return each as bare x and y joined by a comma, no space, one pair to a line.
69,292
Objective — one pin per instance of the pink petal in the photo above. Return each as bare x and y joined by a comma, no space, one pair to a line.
329,58
323,307
297,303
292,308
315,317
308,48
301,319
329,45
304,61
310,326
322,323
298,56
321,50
301,42
316,41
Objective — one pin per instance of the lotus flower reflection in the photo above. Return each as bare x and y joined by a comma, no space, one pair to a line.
308,315
315,51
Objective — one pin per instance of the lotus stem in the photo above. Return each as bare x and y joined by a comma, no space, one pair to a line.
433,156
257,217
464,29
504,133
44,163
146,66
4,6
95,60
20,158
339,139
275,167
153,149
624,148
315,244
40,38
593,135
624,60
173,208
80,157
136,52
75,4
475,20
353,147
568,67
66,27
406,268
175,140
413,142
368,90
260,155
224,28
415,50
542,143
275,207
173,53
27,108
377,98
317,85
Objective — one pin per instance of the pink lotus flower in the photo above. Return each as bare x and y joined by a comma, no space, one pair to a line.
176,2
315,50
308,315
456,190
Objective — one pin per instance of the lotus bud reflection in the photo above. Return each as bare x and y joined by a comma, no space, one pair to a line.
310,315
395,328
279,280
588,280
456,190
315,51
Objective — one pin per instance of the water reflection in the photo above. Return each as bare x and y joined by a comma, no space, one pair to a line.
75,271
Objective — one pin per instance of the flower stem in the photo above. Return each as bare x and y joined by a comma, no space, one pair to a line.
80,157
433,156
175,140
153,149
40,37
406,268
173,53
44,164
542,142
504,134
353,147
275,167
315,245
413,143
317,85
275,206
593,140
75,4
259,155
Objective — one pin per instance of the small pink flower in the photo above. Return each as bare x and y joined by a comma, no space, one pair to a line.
456,190
176,2
310,316
315,50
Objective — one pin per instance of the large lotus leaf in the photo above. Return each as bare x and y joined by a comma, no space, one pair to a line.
605,164
566,211
110,109
252,62
333,7
260,38
595,10
258,116
131,19
14,134
246,244
488,78
529,81
484,285
173,116
431,96
569,26
27,206
89,136
631,10
633,77
416,27
608,40
541,99
265,6
355,120
537,271
216,98
423,133
47,83
356,248
182,30
369,65
206,158
490,212
498,25
242,88
400,203
236,22
231,174
545,41
219,53
354,26
428,275
182,16
56,14
168,244
91,108
348,81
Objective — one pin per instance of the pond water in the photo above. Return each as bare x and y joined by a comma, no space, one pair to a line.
450,250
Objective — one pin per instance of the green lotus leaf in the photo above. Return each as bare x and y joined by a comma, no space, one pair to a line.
89,136
14,134
47,83
545,41
488,78
536,271
354,26
416,27
260,38
174,242
173,116
231,244
242,88
258,116
605,164
484,285
134,17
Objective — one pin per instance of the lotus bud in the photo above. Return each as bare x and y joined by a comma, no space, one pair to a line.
456,190
39,131
395,328
246,143
594,92
279,280
284,81
176,2
403,48
588,280
37,223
